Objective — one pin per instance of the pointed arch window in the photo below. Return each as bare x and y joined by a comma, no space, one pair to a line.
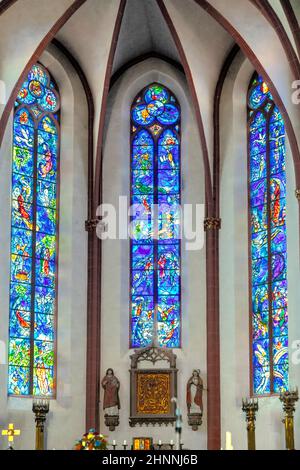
34,219
268,245
155,220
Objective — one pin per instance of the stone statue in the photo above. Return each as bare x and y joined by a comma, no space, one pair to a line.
111,385
111,401
194,390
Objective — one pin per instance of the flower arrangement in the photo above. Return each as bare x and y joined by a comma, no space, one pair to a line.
91,440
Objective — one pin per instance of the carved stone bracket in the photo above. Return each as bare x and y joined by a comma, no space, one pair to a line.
195,420
212,223
111,421
297,194
91,224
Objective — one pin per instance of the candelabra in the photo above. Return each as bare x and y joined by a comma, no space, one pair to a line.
250,407
40,409
289,399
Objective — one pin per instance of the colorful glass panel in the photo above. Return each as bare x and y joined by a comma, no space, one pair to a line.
155,219
267,186
34,237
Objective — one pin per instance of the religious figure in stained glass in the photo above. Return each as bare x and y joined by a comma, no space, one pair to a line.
155,218
34,236
267,213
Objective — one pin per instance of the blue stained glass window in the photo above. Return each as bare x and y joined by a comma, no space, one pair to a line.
34,237
155,219
267,187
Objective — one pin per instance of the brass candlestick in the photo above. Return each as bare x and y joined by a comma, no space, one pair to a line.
40,409
289,399
250,407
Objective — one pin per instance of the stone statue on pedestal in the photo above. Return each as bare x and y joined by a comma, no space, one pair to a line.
194,391
111,401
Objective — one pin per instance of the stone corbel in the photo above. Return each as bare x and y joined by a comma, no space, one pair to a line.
195,420
111,421
212,223
92,224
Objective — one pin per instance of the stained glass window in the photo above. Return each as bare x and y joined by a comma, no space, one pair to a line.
34,236
267,199
155,218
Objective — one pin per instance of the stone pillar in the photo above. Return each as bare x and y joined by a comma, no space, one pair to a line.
211,227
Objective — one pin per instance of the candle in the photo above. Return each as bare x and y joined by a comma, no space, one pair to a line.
114,442
228,441
125,443
159,442
171,442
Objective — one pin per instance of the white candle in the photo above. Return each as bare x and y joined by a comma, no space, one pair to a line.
114,442
171,442
125,443
228,441
159,442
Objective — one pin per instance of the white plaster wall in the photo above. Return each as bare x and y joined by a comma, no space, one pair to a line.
205,44
23,26
88,35
115,254
67,412
234,294
263,40
276,5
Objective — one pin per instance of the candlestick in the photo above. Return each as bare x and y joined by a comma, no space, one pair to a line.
178,423
171,444
289,398
40,409
124,445
114,444
250,407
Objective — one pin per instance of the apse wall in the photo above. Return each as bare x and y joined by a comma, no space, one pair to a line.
115,253
66,419
234,293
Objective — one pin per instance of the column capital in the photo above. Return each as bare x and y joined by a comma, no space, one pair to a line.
212,223
91,224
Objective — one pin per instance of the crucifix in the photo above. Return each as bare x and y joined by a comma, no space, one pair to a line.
11,433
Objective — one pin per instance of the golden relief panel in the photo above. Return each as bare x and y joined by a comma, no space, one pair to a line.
153,393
